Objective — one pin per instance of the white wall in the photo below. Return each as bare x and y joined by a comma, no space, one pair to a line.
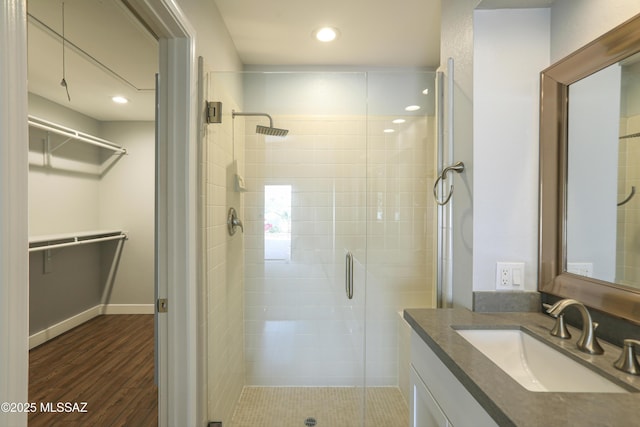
86,188
127,202
63,195
572,24
505,139
213,41
576,23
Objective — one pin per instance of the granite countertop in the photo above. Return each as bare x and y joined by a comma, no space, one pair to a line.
503,398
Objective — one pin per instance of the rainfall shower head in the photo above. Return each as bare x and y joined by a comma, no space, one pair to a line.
263,130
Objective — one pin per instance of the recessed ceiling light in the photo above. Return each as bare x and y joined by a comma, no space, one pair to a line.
326,34
119,99
412,108
388,131
398,121
426,91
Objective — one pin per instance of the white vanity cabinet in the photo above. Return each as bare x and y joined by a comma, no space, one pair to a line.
423,408
437,397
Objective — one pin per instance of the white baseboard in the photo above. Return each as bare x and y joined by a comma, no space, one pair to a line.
80,318
128,309
62,327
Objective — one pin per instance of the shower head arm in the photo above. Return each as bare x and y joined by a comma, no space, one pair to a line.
234,114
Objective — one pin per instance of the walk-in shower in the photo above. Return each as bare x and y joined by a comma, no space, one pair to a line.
354,176
263,130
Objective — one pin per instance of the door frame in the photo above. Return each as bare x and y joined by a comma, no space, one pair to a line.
178,400
14,258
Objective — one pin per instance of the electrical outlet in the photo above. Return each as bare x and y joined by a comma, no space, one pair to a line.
510,275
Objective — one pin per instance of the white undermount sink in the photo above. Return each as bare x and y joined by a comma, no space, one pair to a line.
536,365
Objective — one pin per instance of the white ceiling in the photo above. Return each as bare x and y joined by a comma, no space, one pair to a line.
108,52
373,33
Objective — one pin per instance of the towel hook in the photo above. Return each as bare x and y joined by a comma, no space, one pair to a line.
458,168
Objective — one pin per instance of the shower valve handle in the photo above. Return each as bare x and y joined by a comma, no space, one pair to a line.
233,222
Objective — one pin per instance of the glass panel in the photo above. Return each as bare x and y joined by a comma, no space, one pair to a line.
401,217
301,330
336,183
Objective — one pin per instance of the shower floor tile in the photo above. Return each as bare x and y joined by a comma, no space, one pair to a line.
329,406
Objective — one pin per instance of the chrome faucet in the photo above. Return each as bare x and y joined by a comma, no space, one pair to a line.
587,342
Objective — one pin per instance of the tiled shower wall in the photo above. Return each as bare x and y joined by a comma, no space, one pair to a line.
628,249
300,328
353,188
224,259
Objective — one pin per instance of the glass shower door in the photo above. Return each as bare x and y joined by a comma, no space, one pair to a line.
338,238
302,199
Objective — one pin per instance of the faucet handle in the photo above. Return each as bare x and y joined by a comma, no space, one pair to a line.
560,328
627,362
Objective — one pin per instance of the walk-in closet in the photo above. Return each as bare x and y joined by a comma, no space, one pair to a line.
91,78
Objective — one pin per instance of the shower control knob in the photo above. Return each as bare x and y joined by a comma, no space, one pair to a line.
233,222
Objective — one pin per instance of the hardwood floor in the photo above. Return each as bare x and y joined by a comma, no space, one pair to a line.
106,363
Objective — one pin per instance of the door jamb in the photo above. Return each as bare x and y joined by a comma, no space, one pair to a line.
178,404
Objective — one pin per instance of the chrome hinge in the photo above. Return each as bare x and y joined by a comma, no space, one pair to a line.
162,306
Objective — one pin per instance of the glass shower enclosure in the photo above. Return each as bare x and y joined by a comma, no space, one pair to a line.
304,305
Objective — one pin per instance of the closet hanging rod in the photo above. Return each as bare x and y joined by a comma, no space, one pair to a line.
77,135
76,241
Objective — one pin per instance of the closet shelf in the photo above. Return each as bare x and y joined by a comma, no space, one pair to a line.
54,241
74,134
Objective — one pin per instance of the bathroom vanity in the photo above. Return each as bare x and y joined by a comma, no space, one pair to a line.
453,383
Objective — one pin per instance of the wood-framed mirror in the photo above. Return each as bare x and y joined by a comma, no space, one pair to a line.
565,269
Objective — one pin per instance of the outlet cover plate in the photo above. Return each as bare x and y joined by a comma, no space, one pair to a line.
510,276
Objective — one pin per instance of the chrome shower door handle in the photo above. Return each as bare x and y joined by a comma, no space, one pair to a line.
348,279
